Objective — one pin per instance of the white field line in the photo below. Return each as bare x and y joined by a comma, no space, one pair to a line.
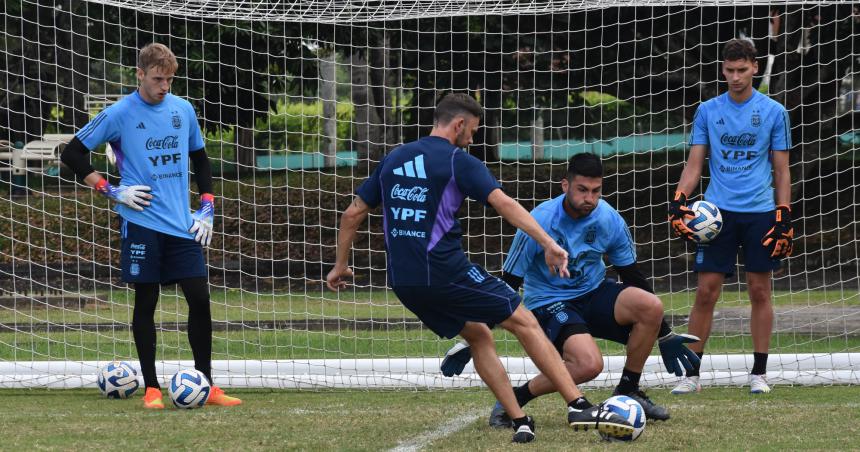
448,428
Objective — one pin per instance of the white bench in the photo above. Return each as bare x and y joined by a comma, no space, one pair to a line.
32,157
45,150
5,154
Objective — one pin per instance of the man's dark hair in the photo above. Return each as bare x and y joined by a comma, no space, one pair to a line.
456,104
739,49
585,164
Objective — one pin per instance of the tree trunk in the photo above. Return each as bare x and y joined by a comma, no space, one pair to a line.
537,136
367,134
379,99
328,95
245,154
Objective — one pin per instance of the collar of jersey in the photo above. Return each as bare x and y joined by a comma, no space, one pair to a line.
136,97
434,137
745,103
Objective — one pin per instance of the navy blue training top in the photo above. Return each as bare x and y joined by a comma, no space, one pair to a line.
421,185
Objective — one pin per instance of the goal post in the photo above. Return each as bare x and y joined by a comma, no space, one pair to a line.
299,100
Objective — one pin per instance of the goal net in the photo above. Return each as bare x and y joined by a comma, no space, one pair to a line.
299,100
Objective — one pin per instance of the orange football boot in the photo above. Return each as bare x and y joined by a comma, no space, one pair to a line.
152,399
217,397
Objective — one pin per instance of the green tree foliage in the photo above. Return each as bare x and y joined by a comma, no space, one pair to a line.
663,60
296,126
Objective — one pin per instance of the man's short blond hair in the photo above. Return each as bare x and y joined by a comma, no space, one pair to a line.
157,55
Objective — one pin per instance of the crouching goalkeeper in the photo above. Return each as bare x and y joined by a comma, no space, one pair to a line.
573,311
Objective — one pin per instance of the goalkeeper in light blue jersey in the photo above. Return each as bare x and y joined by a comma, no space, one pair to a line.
154,136
746,137
575,310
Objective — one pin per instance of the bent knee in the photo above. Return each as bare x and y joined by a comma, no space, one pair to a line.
652,309
588,367
476,334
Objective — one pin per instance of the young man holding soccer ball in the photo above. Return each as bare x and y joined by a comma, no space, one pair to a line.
746,136
154,135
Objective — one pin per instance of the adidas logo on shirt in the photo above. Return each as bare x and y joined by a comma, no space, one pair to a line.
721,122
412,168
141,126
475,274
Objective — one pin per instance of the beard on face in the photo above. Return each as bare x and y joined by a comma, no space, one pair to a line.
582,210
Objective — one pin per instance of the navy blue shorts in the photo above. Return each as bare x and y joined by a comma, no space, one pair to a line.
150,256
744,230
592,313
476,297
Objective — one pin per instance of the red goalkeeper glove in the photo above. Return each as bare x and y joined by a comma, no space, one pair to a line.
677,211
779,240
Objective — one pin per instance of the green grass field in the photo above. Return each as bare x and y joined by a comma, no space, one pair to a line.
288,344
237,305
339,338
790,418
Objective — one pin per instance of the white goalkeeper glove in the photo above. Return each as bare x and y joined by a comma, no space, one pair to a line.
203,219
134,196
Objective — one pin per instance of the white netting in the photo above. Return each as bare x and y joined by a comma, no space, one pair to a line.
298,100
326,11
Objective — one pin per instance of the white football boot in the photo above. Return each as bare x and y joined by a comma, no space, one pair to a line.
689,385
758,384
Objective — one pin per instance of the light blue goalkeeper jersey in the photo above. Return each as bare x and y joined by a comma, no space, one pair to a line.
587,240
151,143
740,138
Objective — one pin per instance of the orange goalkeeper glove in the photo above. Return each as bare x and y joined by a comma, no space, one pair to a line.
779,240
677,211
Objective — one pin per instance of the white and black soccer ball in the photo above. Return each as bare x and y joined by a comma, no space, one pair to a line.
707,223
118,380
629,409
189,388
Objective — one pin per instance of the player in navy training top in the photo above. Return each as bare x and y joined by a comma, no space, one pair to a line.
420,187
746,137
154,135
573,311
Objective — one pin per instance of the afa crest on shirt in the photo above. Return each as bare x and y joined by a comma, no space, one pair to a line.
591,235
755,119
177,121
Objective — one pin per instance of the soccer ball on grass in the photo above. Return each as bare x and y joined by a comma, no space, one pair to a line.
189,388
118,380
628,409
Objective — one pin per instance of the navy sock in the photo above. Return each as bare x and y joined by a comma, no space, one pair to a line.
520,421
523,394
629,381
759,363
695,371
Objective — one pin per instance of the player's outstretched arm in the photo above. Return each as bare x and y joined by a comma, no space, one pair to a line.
678,209
75,157
518,216
692,169
351,219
